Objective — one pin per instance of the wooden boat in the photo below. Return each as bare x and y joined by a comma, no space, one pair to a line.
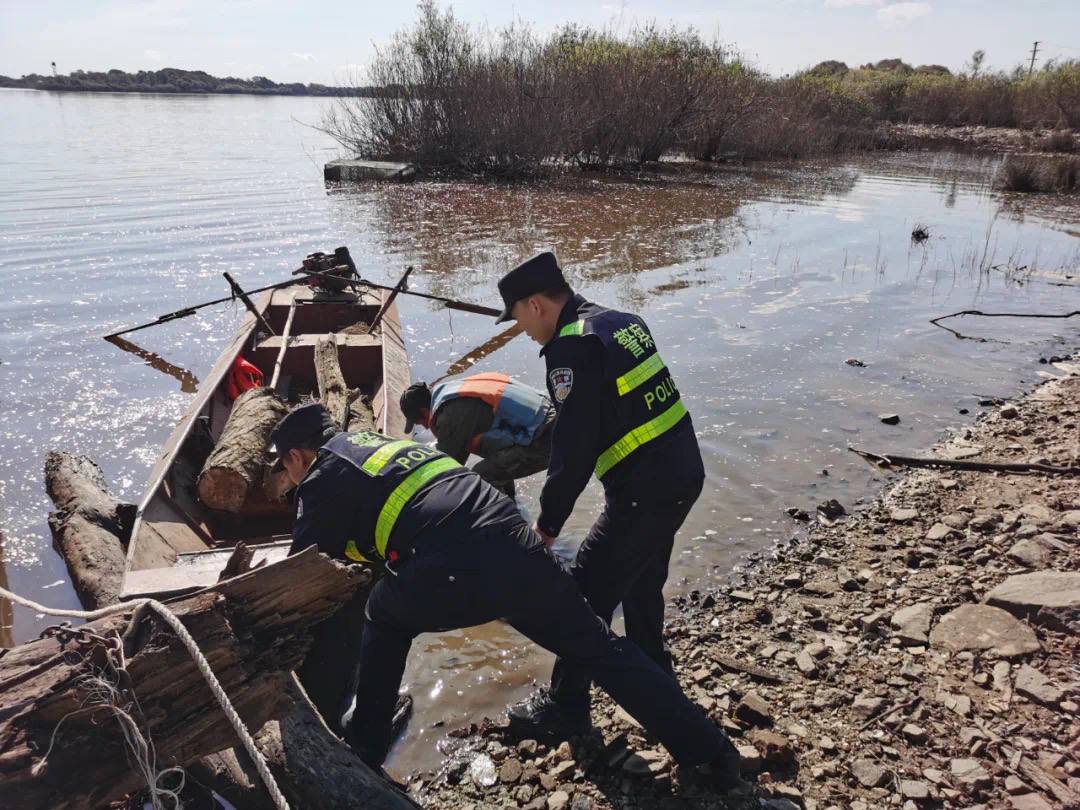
177,543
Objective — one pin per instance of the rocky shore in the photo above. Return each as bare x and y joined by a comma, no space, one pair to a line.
921,652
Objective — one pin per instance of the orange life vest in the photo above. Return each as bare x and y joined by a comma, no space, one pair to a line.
243,377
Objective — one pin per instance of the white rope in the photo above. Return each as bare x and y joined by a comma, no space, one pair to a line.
201,664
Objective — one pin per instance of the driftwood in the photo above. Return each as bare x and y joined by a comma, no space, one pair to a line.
89,528
253,629
347,406
937,321
886,460
1014,761
311,765
754,671
235,467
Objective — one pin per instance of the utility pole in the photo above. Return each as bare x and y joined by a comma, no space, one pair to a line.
1034,50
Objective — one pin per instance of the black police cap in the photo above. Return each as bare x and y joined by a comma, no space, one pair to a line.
540,273
414,399
308,426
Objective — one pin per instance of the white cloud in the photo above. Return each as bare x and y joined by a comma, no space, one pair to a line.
154,55
846,3
903,12
304,57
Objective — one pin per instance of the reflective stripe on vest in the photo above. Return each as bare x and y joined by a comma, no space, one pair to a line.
401,496
380,457
638,375
575,329
402,453
353,552
638,436
652,370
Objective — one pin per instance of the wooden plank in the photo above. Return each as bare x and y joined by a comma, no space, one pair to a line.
194,571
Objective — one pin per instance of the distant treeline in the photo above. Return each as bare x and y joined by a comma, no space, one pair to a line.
174,80
514,102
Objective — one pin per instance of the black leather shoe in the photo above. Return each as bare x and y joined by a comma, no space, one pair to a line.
541,718
722,775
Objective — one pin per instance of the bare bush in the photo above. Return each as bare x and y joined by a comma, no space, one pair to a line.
512,103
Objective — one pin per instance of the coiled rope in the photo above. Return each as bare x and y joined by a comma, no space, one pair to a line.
201,664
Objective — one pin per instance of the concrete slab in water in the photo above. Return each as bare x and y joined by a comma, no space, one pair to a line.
349,170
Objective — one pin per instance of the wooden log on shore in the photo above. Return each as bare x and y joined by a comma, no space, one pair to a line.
312,766
235,467
90,527
253,629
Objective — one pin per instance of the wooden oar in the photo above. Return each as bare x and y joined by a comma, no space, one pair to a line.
254,310
464,306
398,288
186,311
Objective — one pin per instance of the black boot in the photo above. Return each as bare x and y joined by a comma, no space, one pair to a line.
541,718
722,775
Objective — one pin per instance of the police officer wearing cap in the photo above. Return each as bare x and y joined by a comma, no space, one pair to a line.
459,554
620,418
505,422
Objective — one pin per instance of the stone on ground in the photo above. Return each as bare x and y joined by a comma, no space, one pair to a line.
970,773
868,772
1029,801
984,628
1057,592
753,710
912,623
1034,685
1029,552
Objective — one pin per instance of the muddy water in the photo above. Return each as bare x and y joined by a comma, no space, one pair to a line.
759,284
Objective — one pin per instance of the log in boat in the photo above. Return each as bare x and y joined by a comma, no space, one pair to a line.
211,487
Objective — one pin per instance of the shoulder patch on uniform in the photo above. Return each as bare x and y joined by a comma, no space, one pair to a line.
562,380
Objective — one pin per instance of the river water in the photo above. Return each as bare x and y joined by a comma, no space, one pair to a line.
758,283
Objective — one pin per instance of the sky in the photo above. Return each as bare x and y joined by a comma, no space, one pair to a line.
332,42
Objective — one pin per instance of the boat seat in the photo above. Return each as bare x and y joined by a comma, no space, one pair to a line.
344,340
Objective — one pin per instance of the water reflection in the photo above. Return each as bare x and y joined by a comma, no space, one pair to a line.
489,347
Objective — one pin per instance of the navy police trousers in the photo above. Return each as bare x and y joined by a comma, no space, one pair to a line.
505,571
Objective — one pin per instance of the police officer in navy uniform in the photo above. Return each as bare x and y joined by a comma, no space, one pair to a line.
620,418
459,554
